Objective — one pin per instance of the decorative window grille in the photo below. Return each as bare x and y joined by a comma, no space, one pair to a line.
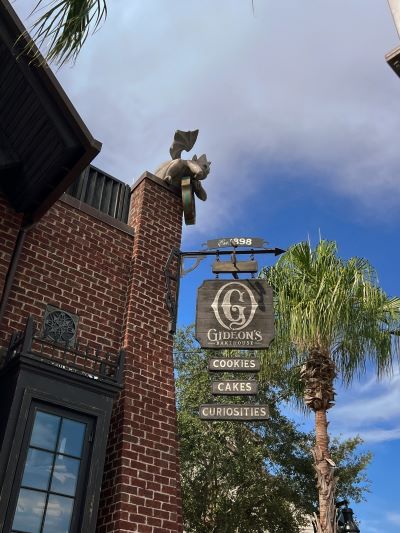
60,326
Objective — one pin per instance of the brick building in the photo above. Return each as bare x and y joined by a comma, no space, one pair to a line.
87,402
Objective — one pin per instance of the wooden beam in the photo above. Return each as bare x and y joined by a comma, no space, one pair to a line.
241,267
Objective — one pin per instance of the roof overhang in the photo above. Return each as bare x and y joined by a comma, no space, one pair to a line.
44,144
393,60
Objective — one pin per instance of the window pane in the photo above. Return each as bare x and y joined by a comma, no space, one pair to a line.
71,437
58,514
37,469
45,431
29,513
65,475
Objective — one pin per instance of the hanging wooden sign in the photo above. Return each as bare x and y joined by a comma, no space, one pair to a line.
234,388
234,364
240,267
235,314
224,411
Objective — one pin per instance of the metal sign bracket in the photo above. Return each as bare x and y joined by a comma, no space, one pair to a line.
173,273
193,267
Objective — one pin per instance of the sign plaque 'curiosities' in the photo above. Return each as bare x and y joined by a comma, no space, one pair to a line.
225,411
235,314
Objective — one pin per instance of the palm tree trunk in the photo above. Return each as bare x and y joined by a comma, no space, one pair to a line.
318,374
323,465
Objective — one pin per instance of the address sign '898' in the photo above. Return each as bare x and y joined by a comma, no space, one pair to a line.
235,314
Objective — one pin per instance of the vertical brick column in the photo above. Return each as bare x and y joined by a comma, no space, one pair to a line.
141,488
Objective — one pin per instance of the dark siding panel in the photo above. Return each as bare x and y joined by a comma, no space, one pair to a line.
102,191
106,198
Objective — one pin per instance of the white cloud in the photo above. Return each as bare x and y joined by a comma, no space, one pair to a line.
370,409
393,518
375,403
375,435
299,84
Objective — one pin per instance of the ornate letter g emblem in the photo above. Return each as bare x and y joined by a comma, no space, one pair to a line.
234,305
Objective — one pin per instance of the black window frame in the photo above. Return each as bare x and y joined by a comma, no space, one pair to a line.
86,456
26,379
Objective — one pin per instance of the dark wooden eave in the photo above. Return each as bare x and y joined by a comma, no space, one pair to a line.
44,144
393,60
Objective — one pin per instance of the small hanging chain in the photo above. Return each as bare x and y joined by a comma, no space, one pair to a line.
252,259
233,260
217,259
233,256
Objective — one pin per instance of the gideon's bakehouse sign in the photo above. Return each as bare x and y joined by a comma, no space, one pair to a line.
235,314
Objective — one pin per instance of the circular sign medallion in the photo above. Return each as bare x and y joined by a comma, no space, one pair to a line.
188,202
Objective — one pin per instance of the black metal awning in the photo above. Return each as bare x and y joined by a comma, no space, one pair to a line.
44,144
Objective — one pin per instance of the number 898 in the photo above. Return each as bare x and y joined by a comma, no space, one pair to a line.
242,242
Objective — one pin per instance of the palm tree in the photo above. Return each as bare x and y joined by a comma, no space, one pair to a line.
64,26
332,318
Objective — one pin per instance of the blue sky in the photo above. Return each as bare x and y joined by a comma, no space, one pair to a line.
298,112
367,408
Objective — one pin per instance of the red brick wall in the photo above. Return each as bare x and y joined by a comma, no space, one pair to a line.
116,285
72,261
141,484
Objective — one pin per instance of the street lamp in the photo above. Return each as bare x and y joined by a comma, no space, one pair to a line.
346,522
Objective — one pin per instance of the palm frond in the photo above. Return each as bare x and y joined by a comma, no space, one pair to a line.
64,26
323,301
